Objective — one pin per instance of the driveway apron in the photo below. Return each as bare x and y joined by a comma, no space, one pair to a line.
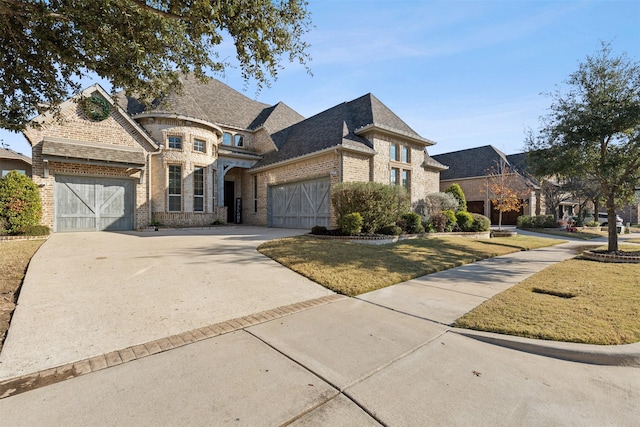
87,294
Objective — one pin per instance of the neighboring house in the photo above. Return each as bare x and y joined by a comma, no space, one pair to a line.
210,153
471,169
12,160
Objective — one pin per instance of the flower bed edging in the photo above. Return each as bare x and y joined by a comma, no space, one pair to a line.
604,257
383,240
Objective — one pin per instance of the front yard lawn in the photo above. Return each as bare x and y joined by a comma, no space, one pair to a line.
14,258
576,300
582,235
352,269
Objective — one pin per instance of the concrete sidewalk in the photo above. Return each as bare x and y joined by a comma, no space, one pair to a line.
385,358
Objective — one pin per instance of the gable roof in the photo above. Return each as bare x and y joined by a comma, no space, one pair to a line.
470,163
340,126
8,153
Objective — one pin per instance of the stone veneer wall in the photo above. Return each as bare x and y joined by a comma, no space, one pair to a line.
320,166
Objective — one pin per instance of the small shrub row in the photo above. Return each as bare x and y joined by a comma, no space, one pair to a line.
538,221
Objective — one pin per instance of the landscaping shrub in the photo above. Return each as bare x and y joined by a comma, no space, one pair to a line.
538,221
319,229
412,223
451,220
464,220
351,223
437,202
391,230
34,230
20,204
592,224
524,221
379,204
439,222
480,223
456,191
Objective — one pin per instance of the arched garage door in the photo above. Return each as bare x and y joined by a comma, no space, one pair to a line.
93,204
301,204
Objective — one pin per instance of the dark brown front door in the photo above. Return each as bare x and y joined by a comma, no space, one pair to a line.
229,200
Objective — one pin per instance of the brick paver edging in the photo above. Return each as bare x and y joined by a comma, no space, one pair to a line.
50,376
17,238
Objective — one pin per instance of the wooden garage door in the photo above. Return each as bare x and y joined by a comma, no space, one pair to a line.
300,205
93,204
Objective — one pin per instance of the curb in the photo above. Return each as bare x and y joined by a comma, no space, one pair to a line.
13,386
608,355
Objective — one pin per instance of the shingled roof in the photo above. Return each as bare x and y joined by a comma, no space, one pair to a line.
471,162
216,103
337,127
7,153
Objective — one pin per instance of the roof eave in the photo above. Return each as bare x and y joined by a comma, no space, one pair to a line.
392,132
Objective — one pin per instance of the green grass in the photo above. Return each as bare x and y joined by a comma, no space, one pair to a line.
352,269
576,300
582,235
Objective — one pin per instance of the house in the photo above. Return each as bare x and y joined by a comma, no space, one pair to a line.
12,160
210,153
471,169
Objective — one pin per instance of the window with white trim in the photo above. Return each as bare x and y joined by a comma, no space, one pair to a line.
175,188
198,145
198,189
175,142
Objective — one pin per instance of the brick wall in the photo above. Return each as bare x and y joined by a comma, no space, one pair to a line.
321,166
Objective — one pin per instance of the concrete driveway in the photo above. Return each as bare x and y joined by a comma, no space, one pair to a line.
86,294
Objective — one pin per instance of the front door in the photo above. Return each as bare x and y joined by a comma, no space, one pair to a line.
229,200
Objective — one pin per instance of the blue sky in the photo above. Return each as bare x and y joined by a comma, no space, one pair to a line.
461,73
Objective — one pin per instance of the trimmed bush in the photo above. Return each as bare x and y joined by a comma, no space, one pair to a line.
412,223
34,230
379,204
456,191
439,222
451,220
480,223
351,223
538,221
465,220
20,204
592,224
391,230
319,229
437,202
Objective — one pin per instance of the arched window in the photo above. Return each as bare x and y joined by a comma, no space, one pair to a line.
226,138
238,140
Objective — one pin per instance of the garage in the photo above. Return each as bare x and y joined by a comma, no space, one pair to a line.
301,204
93,204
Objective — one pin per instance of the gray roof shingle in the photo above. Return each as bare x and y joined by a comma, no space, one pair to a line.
7,153
335,127
469,163
115,154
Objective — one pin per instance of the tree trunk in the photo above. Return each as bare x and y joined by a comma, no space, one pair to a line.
499,220
611,219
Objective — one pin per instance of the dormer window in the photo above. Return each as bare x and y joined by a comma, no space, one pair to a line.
238,140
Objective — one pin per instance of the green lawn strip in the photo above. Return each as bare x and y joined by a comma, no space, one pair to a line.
582,235
576,301
352,269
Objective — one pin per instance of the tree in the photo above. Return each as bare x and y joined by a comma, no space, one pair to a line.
593,130
507,196
142,46
456,191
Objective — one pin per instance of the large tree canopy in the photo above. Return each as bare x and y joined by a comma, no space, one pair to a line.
593,130
139,45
